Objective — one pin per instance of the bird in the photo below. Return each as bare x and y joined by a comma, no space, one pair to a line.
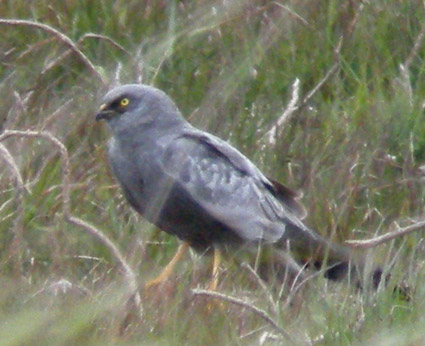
191,184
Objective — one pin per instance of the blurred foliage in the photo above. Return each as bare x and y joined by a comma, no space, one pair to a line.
355,150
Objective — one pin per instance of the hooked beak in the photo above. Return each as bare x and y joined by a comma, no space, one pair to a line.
104,112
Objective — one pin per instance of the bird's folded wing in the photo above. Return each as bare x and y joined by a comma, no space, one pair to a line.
240,162
228,186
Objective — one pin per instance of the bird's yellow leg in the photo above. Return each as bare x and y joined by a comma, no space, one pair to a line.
214,282
216,266
166,272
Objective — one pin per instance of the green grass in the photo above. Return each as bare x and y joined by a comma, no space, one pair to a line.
354,150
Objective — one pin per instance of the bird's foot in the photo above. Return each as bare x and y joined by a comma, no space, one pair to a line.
168,270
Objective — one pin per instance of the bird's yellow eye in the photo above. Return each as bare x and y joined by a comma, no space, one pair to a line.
124,102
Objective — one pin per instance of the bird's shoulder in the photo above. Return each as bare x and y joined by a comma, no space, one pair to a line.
212,146
209,153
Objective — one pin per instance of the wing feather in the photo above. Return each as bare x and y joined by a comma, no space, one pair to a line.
229,186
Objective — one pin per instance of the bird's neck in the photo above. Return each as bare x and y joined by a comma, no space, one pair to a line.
146,133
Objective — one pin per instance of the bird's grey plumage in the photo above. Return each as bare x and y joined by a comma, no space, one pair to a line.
193,184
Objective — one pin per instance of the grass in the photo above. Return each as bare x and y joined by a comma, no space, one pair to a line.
355,149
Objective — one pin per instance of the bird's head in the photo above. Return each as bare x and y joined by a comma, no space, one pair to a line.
133,105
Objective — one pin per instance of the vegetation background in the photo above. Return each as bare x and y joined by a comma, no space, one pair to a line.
354,146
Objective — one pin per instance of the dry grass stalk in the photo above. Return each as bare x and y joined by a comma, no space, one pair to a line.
236,301
62,38
263,286
289,110
399,232
66,205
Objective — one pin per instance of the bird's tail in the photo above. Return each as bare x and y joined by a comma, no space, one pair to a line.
338,262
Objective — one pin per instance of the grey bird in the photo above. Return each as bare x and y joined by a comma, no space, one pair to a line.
194,185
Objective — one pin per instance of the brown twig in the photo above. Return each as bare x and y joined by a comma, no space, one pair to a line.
52,117
332,70
30,51
401,231
129,273
404,81
416,47
293,13
62,38
18,227
263,286
66,205
12,165
133,59
63,152
271,134
295,288
236,301
104,38
404,78
64,55
293,105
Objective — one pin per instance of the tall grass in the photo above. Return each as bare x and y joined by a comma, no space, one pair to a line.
355,149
